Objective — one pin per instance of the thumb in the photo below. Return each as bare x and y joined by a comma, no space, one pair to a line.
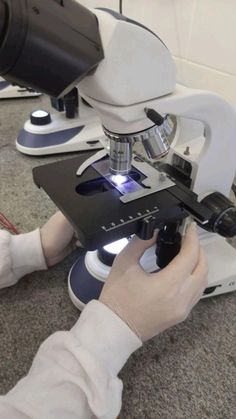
132,253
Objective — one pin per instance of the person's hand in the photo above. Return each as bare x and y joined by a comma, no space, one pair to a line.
58,239
151,303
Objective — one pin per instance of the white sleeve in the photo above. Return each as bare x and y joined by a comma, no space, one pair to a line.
19,256
74,374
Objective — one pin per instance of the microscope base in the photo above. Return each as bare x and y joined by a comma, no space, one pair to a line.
61,135
84,287
7,91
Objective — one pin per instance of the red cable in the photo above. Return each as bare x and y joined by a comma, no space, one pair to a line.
7,224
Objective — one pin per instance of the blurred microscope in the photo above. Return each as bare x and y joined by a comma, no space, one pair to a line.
71,126
12,91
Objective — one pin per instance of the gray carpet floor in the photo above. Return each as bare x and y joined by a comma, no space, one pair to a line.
187,372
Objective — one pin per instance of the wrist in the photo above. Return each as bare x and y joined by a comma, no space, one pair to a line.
106,336
27,253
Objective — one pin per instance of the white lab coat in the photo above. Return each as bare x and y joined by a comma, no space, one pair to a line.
74,374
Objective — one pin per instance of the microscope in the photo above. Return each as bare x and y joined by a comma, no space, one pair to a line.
126,73
71,126
9,91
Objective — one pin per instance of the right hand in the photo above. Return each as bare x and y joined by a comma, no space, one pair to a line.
151,303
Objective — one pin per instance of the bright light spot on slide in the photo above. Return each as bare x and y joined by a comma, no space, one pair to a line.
118,179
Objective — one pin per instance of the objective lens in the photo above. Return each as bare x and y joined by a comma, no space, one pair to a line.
155,142
120,156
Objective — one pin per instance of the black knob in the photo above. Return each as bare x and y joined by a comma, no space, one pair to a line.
146,227
226,227
168,244
154,116
40,117
71,101
223,218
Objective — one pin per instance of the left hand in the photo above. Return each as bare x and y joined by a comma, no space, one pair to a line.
58,239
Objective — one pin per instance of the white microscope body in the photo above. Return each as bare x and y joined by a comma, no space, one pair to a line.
9,91
126,73
139,73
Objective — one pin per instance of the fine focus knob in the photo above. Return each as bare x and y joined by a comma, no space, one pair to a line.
40,117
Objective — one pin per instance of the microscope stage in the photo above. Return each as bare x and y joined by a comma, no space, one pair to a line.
94,208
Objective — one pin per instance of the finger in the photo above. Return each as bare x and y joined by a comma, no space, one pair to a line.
58,218
195,285
185,262
201,270
134,250
200,274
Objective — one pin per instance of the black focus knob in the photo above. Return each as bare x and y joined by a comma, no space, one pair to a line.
223,219
40,117
226,227
168,244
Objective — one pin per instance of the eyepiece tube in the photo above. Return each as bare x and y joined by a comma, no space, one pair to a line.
48,45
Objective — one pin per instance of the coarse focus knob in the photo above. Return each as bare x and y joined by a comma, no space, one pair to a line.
40,117
227,225
168,244
223,219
